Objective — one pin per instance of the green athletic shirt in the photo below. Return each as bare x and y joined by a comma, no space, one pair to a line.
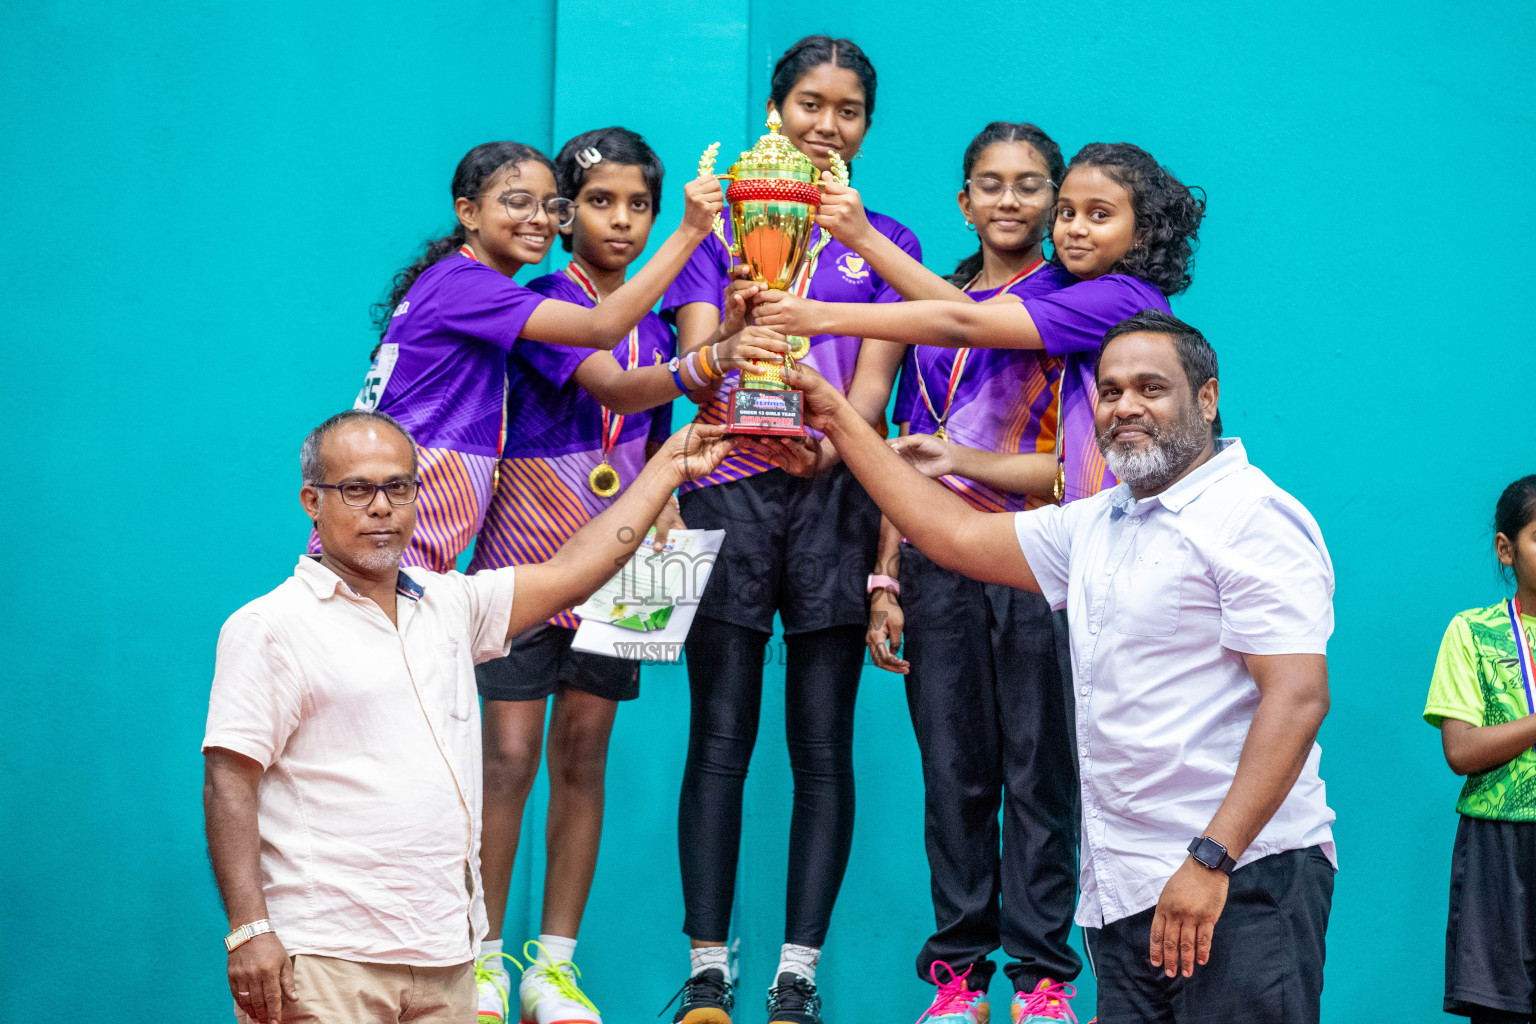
1477,680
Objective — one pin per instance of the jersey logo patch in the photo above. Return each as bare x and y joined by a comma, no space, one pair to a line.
852,267
400,309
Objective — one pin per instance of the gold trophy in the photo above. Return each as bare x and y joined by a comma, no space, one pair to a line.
773,195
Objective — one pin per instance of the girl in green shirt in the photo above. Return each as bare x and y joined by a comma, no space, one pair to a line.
1481,699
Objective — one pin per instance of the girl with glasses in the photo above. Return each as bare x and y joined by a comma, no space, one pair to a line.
795,546
452,316
580,425
984,683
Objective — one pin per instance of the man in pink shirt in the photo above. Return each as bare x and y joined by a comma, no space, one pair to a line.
342,785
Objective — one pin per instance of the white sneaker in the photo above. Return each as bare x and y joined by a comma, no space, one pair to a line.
549,994
492,986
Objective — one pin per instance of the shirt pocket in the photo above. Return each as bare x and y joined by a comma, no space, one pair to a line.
1148,592
455,681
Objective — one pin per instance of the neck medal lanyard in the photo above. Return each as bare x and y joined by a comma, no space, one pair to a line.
1523,654
604,479
961,355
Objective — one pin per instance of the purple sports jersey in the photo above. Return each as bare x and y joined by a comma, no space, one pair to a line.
441,367
555,440
841,275
1072,323
1005,399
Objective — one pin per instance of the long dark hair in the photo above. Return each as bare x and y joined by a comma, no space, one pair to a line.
479,166
1515,509
1008,131
1168,214
616,146
814,51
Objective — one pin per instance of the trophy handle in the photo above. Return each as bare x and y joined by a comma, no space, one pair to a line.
707,167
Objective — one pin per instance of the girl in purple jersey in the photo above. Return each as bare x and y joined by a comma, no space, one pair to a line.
1124,226
984,683
580,425
452,316
797,547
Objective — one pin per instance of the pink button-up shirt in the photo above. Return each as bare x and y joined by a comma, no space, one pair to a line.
369,808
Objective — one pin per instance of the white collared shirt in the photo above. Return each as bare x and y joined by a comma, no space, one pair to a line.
369,808
1164,596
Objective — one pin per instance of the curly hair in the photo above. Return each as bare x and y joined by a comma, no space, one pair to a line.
479,166
1007,131
1168,214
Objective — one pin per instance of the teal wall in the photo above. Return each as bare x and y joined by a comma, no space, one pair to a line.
200,201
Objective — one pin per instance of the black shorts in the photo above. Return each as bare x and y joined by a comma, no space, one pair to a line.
1490,955
801,547
541,661
1266,964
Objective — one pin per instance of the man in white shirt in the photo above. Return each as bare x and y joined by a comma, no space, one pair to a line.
342,755
1200,602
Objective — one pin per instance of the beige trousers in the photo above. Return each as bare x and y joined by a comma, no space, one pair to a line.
333,991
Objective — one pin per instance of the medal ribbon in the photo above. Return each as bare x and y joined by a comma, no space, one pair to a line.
963,354
612,424
1523,654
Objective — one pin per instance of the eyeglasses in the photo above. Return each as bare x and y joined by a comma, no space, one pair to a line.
524,206
360,493
1029,189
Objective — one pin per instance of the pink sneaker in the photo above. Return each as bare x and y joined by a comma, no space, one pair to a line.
1049,1001
954,1003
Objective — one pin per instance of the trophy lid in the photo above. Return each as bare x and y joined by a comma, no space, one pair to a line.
774,156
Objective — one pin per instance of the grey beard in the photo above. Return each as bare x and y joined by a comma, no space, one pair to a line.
1169,454
380,559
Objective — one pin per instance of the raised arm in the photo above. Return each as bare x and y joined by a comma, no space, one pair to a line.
842,213
1293,700
599,549
604,326
978,544
645,387
260,973
945,324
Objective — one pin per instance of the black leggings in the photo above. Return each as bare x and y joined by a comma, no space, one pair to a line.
725,677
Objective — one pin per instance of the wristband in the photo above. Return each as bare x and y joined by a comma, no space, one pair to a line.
711,361
245,933
879,582
692,366
677,378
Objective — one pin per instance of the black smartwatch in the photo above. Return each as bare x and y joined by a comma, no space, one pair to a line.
1212,854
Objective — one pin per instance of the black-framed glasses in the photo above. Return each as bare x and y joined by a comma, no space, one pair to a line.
524,206
1029,189
360,493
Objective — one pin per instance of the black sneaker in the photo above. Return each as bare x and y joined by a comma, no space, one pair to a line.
793,1000
707,999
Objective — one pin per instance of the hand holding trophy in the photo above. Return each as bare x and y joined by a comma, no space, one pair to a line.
773,197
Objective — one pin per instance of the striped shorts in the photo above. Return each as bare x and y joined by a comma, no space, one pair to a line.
455,491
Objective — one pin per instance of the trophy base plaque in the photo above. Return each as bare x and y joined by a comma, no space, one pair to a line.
765,412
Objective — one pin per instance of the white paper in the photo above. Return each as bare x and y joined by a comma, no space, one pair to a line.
649,580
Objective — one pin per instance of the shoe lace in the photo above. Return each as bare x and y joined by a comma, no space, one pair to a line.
487,974
799,995
952,996
557,973
1049,1000
703,985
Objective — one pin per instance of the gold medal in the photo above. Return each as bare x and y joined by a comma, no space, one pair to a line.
1060,486
799,347
604,480
941,433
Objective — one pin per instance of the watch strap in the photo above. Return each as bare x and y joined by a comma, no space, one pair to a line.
245,933
1212,854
